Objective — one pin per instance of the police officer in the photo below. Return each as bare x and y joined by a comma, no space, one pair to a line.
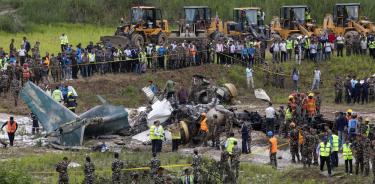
334,140
324,150
62,169
117,166
156,136
348,156
89,170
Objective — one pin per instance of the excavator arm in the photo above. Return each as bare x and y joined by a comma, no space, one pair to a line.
304,31
359,28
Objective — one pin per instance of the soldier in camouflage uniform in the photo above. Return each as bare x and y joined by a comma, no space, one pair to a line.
372,154
117,166
62,169
357,148
224,166
366,154
154,165
197,162
315,145
339,87
308,147
215,133
229,121
3,83
15,89
235,161
293,136
89,170
159,177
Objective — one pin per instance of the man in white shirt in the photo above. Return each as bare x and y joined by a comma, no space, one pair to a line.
270,118
316,80
276,51
283,50
22,54
249,77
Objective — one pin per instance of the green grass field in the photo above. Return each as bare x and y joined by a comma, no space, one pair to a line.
48,36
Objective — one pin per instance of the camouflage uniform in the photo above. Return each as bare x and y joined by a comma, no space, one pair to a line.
229,122
358,155
117,166
308,148
159,179
372,154
235,162
294,144
366,155
197,161
89,172
15,89
315,145
225,167
4,83
155,164
62,169
214,134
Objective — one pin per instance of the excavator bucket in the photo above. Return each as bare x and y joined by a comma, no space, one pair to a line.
115,41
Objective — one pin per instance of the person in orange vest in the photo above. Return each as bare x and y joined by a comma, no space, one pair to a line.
311,105
11,129
203,129
273,148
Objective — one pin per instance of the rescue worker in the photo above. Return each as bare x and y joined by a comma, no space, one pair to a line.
373,159
63,42
26,73
224,166
170,88
15,89
307,147
293,143
187,178
348,157
215,132
154,165
117,166
203,129
71,102
62,169
11,127
282,122
311,105
235,161
245,135
334,141
159,178
229,144
156,135
57,95
89,170
339,87
176,135
324,151
308,16
358,154
316,144
273,148
367,153
196,165
365,128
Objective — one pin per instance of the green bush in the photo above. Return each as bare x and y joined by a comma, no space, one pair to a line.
11,173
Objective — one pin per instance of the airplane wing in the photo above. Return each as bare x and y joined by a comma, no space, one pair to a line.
50,113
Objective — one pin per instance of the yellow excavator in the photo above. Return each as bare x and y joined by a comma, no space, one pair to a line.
146,25
346,21
197,25
294,21
247,22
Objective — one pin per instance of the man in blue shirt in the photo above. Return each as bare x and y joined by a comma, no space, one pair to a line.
353,126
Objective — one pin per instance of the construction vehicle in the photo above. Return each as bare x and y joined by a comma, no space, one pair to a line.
197,25
146,25
292,23
346,21
247,22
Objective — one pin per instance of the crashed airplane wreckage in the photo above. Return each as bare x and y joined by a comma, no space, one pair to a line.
66,129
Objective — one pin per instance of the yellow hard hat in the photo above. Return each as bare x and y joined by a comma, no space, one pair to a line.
311,94
349,111
292,125
290,97
367,119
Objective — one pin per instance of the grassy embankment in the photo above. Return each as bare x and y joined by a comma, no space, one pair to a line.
38,167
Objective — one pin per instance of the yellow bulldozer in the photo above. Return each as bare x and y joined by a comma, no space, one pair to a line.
247,22
294,21
197,24
146,25
346,21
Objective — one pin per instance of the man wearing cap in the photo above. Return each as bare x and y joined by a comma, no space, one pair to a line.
12,127
273,148
324,150
293,143
365,127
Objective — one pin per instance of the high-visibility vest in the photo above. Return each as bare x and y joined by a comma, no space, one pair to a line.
91,58
335,142
183,179
289,44
371,45
56,95
288,114
273,142
347,152
64,40
71,102
307,16
230,144
152,132
204,126
176,134
307,43
367,130
11,128
311,107
325,150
